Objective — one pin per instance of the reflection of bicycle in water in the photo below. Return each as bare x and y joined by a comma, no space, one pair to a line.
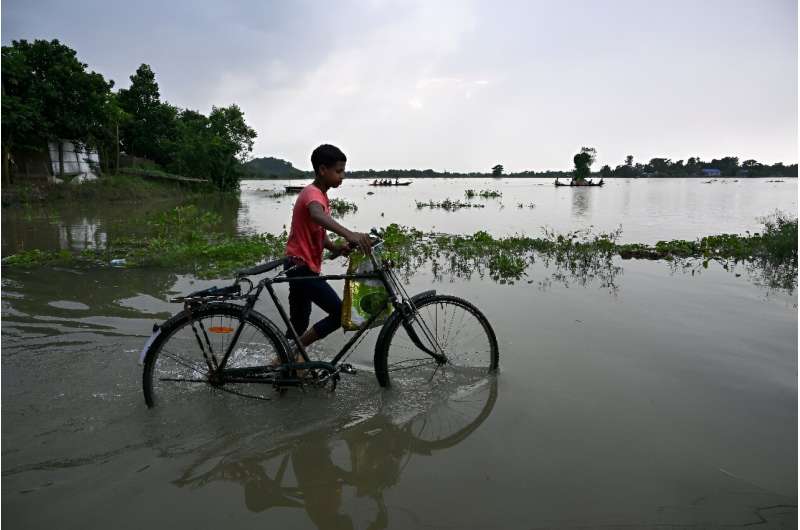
305,473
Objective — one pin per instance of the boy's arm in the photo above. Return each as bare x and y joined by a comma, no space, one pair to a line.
319,216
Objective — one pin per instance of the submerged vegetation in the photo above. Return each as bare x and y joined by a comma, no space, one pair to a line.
452,205
448,205
341,207
183,238
584,255
189,240
483,194
36,257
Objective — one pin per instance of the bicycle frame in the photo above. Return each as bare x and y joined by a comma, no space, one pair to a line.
397,296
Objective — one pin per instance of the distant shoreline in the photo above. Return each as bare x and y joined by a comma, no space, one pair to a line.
545,177
269,168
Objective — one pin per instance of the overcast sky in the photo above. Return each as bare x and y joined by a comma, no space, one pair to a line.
458,85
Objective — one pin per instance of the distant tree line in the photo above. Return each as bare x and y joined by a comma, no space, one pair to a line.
276,168
49,96
728,166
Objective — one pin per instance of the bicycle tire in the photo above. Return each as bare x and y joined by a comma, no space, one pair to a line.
396,351
258,343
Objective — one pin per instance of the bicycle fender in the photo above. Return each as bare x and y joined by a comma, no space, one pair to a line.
150,340
395,315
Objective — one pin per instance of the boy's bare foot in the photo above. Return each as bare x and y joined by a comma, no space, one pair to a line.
298,358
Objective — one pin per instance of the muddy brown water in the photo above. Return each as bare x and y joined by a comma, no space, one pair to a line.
663,399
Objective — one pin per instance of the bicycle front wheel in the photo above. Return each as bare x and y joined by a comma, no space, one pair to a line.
181,362
444,324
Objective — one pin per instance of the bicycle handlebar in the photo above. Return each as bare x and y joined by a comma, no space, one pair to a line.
375,237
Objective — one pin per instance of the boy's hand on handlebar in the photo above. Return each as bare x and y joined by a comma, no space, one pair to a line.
343,248
360,240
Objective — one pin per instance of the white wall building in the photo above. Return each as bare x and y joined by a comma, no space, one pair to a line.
79,162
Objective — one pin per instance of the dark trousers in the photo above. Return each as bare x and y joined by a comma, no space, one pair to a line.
302,293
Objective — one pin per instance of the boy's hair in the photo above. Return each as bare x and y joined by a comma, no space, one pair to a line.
326,155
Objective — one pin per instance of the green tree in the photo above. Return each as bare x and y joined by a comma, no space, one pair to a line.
606,172
213,147
754,169
152,128
694,165
107,137
48,95
728,165
661,166
583,163
626,170
497,170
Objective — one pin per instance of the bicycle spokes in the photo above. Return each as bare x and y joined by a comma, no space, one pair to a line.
444,339
189,357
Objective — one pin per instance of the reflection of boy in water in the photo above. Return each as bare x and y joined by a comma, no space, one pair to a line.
319,488
319,480
375,450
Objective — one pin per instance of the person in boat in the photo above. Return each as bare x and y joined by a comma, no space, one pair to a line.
375,182
308,238
396,181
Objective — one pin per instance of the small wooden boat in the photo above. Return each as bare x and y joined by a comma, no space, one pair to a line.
573,184
390,184
294,189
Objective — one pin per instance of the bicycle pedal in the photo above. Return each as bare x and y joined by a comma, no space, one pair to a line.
349,369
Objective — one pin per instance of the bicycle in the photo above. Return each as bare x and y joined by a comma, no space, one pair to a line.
214,342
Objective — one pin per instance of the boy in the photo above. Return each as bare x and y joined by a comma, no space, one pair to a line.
308,238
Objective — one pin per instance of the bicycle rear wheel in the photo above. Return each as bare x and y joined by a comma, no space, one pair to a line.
442,322
181,361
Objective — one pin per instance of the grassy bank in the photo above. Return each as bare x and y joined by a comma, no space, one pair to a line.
110,188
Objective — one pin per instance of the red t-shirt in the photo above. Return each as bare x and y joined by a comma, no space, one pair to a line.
307,238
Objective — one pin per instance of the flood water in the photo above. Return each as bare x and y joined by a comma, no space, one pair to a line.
641,395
